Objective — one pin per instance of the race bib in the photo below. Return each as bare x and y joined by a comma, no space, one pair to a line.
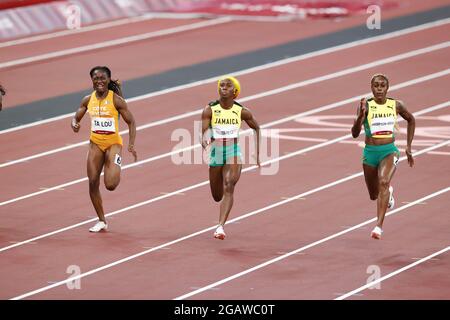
395,161
382,126
103,125
225,132
118,160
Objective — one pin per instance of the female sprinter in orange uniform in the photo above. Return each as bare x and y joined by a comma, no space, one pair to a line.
224,117
105,149
2,93
380,155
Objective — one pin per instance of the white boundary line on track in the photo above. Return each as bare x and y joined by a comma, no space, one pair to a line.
115,42
256,69
273,123
63,33
279,90
394,273
98,26
200,184
313,244
304,194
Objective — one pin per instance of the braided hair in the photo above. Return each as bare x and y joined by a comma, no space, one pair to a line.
114,85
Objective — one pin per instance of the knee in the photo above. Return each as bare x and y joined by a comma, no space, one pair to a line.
229,186
384,185
110,186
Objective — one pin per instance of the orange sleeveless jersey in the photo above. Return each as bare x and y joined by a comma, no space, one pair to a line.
104,121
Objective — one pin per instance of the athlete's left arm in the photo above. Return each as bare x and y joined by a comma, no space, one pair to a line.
409,117
247,116
122,107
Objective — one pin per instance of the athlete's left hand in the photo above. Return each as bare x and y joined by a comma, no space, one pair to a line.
131,149
409,156
205,144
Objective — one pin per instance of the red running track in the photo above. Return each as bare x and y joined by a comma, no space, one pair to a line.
323,271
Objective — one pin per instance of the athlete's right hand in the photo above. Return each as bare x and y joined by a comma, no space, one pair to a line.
75,125
362,107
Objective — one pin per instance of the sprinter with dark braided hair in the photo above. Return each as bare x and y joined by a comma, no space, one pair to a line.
104,105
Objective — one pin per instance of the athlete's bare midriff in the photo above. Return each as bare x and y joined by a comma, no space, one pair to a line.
378,141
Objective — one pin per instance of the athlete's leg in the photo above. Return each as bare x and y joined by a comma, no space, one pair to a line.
113,162
95,161
231,174
386,171
216,182
371,177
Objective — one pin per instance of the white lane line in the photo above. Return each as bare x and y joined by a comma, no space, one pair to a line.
168,244
279,90
258,68
99,26
267,125
115,42
394,273
198,185
313,244
63,33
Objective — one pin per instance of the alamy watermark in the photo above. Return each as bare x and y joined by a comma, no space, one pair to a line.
74,271
72,13
185,153
374,20
375,274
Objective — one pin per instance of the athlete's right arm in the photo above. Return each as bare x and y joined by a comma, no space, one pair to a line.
206,121
361,115
75,123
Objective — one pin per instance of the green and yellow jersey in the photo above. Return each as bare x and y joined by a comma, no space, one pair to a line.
225,123
381,119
